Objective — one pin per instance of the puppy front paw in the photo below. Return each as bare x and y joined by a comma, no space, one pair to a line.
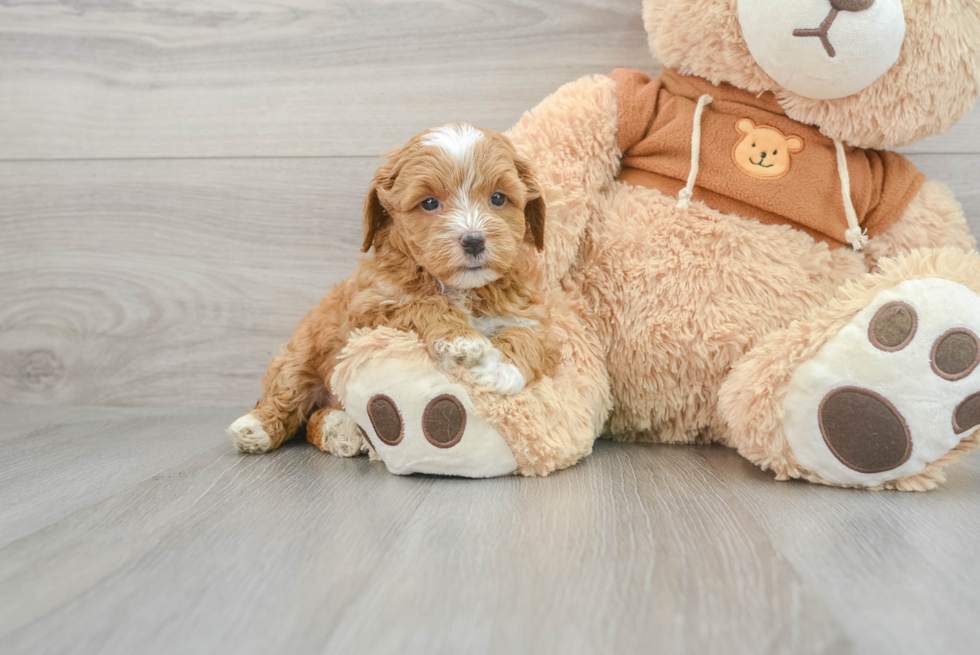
247,435
505,378
341,436
463,350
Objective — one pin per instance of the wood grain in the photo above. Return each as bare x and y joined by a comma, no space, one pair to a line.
886,554
60,460
288,77
639,549
165,282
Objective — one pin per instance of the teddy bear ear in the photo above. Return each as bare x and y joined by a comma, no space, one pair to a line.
745,126
795,144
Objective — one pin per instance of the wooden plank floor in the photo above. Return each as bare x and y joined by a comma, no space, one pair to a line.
144,533
179,183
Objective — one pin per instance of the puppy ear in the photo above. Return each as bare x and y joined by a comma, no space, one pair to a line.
376,217
534,207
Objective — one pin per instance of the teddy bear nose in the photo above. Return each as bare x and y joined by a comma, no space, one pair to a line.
851,5
763,155
473,243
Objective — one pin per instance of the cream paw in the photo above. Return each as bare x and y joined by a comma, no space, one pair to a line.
463,350
502,377
341,436
247,435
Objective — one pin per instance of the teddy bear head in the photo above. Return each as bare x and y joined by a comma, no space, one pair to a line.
873,73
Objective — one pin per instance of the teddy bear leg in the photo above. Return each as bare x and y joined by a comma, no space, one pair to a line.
880,389
423,418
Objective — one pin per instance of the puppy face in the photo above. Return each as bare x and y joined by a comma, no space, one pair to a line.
459,201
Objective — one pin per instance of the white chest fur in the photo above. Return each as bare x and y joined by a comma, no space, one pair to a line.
489,326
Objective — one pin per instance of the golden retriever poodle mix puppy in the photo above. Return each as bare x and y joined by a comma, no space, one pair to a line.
455,220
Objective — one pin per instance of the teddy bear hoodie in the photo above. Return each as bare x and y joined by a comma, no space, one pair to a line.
754,161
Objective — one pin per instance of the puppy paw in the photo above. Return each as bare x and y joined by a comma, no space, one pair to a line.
505,378
463,350
248,436
341,436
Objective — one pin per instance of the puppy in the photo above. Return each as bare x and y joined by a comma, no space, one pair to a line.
454,219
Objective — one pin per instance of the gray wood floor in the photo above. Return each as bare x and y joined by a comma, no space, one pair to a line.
179,183
139,531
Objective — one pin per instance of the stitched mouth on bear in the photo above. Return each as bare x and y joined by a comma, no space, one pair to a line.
823,31
760,163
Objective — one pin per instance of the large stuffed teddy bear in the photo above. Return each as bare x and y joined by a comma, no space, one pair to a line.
731,257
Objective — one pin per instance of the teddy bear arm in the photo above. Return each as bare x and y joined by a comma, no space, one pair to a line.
934,219
570,141
571,135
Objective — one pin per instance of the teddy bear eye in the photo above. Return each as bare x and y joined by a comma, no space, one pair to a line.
753,145
430,204
775,152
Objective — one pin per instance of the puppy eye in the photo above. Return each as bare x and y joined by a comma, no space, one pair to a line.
498,199
430,204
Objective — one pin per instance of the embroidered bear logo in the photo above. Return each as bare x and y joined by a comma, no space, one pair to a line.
764,151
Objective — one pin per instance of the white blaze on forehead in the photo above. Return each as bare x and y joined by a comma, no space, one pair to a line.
457,139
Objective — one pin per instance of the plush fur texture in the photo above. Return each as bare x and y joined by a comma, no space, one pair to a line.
934,83
446,186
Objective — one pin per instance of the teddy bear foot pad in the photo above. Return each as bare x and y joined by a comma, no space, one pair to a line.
418,421
894,390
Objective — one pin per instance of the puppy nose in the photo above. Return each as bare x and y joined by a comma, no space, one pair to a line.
473,243
851,5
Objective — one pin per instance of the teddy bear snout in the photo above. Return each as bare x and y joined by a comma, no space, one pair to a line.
823,49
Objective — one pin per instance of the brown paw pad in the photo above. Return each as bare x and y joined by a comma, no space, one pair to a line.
955,354
863,430
893,326
967,414
386,419
444,421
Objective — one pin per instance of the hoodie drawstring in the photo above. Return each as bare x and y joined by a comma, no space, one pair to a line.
857,237
684,197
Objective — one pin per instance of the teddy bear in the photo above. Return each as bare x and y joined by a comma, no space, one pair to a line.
733,256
